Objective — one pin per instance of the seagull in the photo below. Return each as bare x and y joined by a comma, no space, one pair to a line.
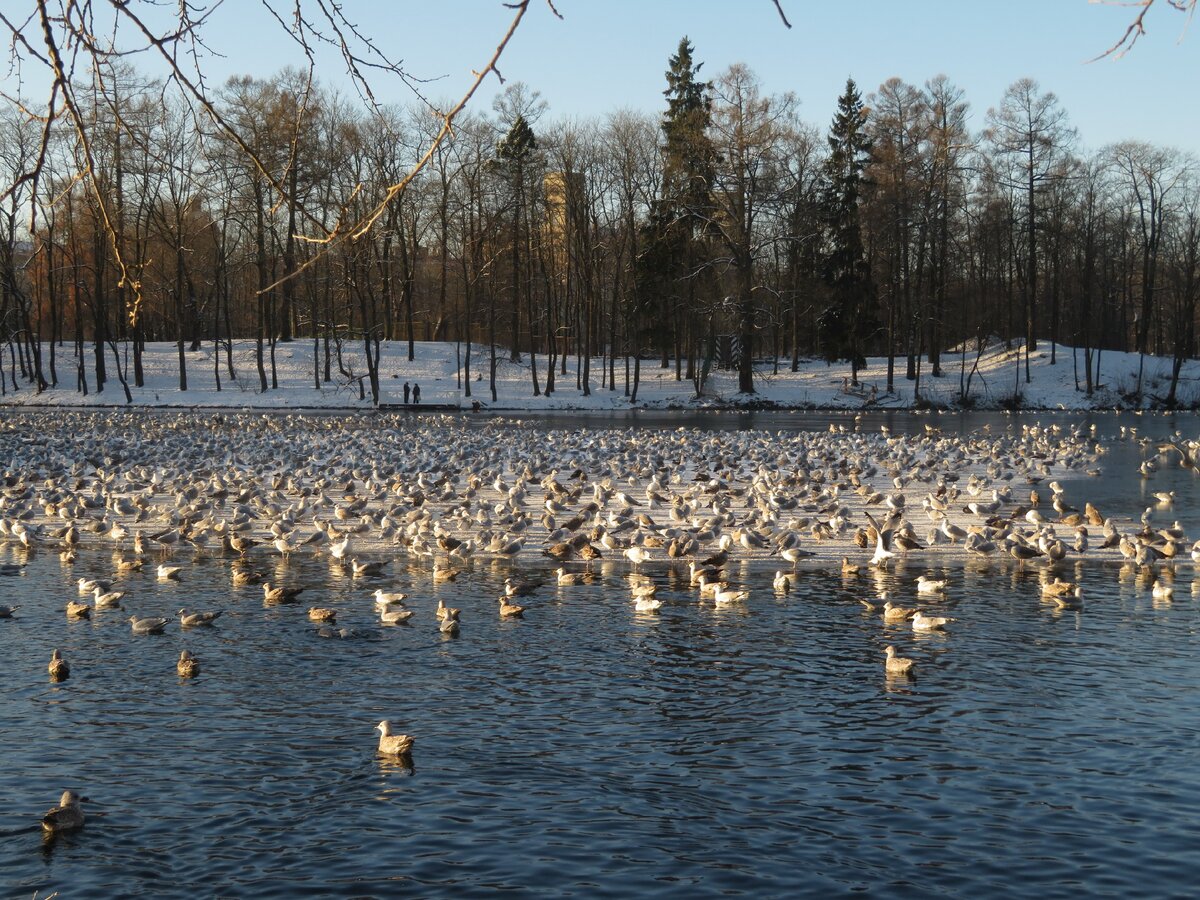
88,585
388,598
148,624
169,573
922,622
393,744
106,601
637,555
188,666
394,616
896,613
927,585
883,540
509,610
279,594
187,620
58,668
361,569
896,665
728,595
67,816
794,555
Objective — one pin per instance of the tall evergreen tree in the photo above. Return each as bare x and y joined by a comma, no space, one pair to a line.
679,219
847,319
515,153
690,159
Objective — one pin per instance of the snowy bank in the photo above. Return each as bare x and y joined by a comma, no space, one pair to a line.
997,380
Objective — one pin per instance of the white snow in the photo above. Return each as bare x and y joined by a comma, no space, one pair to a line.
437,370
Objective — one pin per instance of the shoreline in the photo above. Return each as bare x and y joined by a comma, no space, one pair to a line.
993,383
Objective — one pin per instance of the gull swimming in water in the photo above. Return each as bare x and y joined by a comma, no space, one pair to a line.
922,622
279,594
393,744
389,616
147,624
67,816
896,665
109,600
388,598
58,668
188,666
510,610
927,585
187,619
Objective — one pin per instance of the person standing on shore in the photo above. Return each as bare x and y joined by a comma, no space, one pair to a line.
416,395
406,393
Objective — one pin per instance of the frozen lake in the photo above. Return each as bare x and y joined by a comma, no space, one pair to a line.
593,750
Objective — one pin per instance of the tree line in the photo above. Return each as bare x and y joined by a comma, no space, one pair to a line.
723,230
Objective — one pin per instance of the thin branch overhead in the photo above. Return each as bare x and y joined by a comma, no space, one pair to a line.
1137,27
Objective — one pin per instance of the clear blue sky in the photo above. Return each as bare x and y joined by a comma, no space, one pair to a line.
607,54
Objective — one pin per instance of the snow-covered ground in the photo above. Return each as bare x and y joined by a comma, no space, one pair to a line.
437,369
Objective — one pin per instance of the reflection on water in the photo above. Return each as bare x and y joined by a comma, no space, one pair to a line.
758,748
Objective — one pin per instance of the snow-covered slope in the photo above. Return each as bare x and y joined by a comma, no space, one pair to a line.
999,377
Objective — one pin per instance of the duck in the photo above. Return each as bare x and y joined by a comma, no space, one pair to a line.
896,665
187,619
926,585
6,612
509,610
393,744
188,666
147,624
849,568
322,614
922,622
58,668
67,816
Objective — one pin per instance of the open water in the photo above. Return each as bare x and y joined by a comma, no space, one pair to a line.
590,750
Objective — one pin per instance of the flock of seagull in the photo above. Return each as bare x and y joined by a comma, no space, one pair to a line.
156,488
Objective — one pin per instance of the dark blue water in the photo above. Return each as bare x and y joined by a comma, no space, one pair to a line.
592,750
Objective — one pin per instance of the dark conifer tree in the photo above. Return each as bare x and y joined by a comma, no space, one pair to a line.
679,220
847,319
514,154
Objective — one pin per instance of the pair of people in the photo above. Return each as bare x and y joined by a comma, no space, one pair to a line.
415,393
